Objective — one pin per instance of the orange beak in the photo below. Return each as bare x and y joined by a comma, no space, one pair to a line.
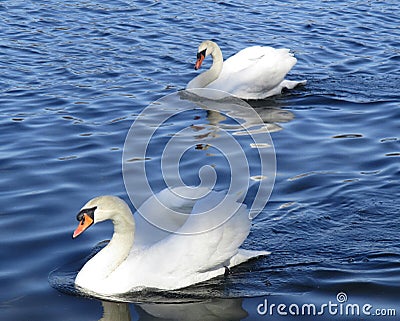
84,224
199,61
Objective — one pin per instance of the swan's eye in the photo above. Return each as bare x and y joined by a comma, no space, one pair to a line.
88,211
201,54
79,217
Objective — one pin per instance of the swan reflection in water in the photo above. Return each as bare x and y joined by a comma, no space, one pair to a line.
210,310
269,111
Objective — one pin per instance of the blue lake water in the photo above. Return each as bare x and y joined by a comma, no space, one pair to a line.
75,75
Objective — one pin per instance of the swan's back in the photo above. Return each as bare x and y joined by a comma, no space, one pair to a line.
211,235
254,71
164,213
225,229
257,55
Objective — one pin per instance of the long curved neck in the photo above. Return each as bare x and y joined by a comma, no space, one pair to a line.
207,77
117,250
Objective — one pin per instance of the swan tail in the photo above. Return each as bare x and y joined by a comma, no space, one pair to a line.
285,84
290,84
245,255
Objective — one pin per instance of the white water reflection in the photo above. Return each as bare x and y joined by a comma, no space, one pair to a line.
210,310
198,139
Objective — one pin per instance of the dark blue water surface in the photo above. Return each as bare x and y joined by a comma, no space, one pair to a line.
75,74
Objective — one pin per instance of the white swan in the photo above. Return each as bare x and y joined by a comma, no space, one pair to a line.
140,255
253,73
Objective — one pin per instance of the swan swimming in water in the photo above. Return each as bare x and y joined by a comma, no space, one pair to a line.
140,255
253,73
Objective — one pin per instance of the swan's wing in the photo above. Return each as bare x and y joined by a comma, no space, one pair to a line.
246,58
223,242
223,230
254,70
163,214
